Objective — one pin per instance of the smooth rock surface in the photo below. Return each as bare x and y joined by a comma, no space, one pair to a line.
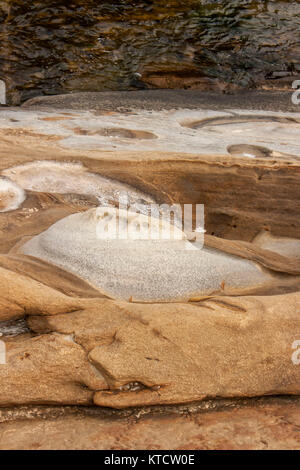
72,178
127,354
194,131
11,195
289,247
143,270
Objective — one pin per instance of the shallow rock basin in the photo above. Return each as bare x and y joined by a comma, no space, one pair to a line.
142,270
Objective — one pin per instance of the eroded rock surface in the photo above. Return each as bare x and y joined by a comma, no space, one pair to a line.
11,195
208,45
72,178
49,369
190,131
289,247
70,341
254,425
143,270
129,354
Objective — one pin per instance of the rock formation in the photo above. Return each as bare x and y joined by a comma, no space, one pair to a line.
129,354
268,424
93,322
11,195
212,46
142,269
72,178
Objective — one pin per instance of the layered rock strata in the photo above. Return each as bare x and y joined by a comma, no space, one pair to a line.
70,340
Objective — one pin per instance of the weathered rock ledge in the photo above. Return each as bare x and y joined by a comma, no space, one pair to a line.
256,424
75,345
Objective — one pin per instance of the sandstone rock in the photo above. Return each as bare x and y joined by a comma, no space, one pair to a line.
145,270
71,178
258,425
11,195
67,342
184,44
178,353
47,369
289,247
21,295
242,196
38,212
48,275
230,346
29,286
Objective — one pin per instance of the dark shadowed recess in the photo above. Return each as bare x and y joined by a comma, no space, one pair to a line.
53,46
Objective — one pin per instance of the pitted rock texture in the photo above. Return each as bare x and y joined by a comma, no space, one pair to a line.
226,130
242,196
248,425
11,195
142,269
72,178
69,343
122,354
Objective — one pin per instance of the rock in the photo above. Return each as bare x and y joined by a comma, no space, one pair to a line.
11,195
289,247
230,347
176,45
175,270
71,178
48,369
21,295
252,425
109,102
48,275
38,212
66,342
181,353
206,175
13,328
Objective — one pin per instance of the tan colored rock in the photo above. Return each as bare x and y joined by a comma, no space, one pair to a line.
265,425
48,275
146,353
21,295
29,286
178,353
242,196
149,353
123,354
48,369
